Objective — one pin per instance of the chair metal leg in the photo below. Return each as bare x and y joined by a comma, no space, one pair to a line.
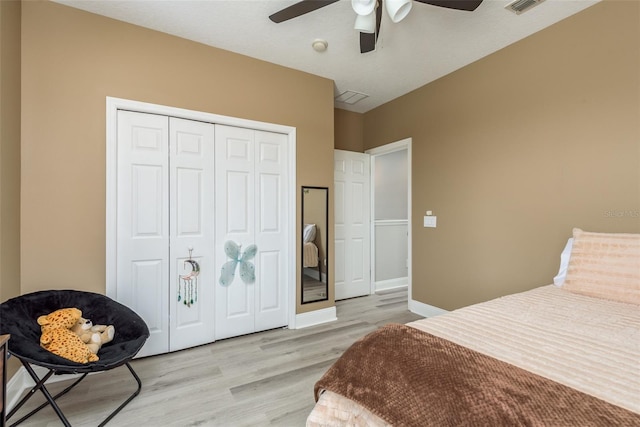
28,396
63,392
135,393
51,400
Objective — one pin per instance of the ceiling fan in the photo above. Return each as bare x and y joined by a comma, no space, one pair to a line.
369,14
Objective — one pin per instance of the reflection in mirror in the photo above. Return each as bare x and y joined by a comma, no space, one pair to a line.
315,228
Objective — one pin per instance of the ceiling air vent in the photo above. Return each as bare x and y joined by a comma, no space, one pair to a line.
350,97
521,6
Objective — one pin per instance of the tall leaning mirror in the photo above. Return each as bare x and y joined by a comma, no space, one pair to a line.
315,232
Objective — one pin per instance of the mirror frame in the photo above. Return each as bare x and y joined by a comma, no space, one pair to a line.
326,249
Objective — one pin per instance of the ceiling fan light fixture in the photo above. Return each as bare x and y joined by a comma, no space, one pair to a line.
363,7
398,9
366,23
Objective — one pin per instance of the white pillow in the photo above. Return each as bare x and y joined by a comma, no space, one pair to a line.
309,233
564,263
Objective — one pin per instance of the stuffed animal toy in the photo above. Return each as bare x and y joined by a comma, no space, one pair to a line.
58,338
94,336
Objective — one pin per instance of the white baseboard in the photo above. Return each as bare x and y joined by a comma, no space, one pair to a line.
425,310
317,317
19,382
384,285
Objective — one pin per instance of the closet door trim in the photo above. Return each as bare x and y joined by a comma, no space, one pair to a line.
115,104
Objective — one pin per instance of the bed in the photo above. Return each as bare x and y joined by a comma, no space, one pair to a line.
567,353
310,251
310,255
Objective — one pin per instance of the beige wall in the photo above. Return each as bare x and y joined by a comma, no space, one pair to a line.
348,130
73,60
10,154
510,152
515,150
9,149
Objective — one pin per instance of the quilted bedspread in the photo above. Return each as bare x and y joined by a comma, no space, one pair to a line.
432,381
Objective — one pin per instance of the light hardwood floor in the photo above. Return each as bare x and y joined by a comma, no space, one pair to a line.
262,379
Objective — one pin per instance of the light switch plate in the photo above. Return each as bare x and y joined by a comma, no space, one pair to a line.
430,221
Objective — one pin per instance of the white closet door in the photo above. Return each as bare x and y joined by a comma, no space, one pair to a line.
191,153
272,261
352,224
235,209
143,222
251,208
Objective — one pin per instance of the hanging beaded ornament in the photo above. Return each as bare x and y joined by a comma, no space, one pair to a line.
188,283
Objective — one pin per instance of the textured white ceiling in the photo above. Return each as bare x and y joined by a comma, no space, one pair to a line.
430,43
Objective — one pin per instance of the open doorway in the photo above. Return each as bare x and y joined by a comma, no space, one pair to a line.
390,215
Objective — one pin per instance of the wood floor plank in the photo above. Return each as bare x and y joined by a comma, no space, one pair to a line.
261,379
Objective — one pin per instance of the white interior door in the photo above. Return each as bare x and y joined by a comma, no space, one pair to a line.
191,199
251,208
391,234
143,222
352,225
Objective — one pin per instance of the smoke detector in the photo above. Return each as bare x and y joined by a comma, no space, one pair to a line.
319,45
521,6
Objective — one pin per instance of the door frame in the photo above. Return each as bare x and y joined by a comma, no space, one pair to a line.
115,104
403,144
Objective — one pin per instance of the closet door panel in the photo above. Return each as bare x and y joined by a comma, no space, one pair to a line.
234,221
147,201
191,149
143,222
269,292
239,303
271,234
238,205
143,289
189,185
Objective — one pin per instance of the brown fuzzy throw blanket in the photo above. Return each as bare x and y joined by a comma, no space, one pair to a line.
411,378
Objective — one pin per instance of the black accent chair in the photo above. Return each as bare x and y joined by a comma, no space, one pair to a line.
18,317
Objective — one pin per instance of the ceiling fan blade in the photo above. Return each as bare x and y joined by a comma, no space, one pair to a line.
368,40
468,5
298,9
